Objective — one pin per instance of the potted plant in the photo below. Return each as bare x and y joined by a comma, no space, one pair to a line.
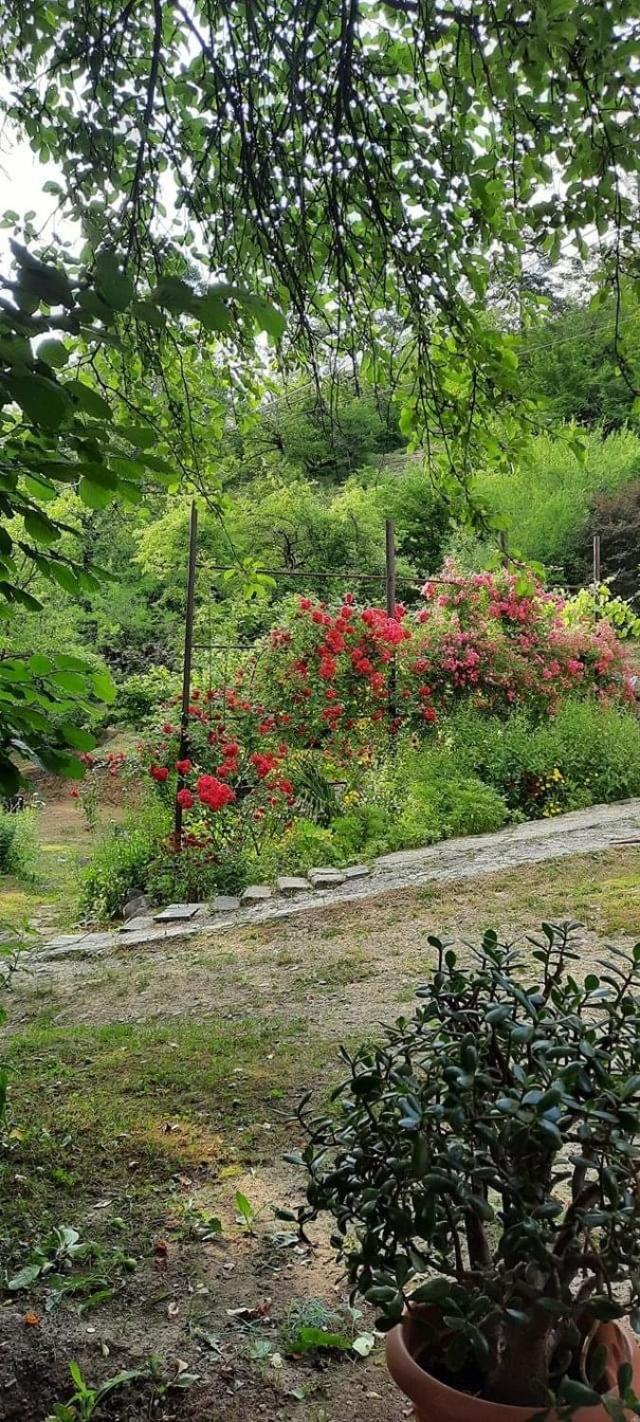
483,1169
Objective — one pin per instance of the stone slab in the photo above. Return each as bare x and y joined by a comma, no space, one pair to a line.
135,907
291,884
325,878
256,894
225,903
137,925
83,946
65,940
356,871
174,912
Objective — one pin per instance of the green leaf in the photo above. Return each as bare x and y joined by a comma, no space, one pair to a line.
113,285
94,495
267,317
213,313
49,283
150,315
604,1308
307,1339
93,304
63,575
435,1291
76,737
25,1278
244,1207
53,352
71,681
577,1394
141,435
89,400
43,401
60,764
39,665
40,528
104,687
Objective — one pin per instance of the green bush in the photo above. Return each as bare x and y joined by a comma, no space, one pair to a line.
19,845
194,875
587,754
302,847
141,695
122,860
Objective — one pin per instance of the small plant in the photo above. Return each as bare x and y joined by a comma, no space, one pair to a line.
18,844
481,1165
245,1212
86,1400
310,1326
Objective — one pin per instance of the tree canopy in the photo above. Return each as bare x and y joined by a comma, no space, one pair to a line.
356,161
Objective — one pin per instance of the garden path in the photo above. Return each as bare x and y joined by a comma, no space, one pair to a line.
582,831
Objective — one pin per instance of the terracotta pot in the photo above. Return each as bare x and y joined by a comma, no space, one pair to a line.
434,1402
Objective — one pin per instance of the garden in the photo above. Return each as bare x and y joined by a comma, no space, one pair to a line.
319,711
346,733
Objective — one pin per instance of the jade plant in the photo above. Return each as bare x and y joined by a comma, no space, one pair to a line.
482,1167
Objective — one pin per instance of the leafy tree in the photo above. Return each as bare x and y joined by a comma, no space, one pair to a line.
57,430
370,170
573,363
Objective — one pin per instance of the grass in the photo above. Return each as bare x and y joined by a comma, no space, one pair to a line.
99,1103
51,900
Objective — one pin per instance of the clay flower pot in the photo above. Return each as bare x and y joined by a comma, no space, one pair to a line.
435,1402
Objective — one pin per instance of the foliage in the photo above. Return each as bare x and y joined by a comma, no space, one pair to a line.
121,859
307,714
590,604
360,224
572,361
141,695
87,1400
18,844
544,504
448,1154
59,429
615,516
586,754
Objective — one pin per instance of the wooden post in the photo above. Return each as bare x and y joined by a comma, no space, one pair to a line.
390,579
186,665
596,559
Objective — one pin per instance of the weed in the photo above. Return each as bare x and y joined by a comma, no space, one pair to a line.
85,1401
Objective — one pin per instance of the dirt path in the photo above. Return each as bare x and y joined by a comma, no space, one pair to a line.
583,831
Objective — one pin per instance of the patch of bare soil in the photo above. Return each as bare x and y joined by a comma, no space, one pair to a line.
187,1307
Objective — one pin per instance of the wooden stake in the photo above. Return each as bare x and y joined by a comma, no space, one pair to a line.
186,665
596,558
390,579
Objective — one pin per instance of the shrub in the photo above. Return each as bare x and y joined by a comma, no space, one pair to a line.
19,845
141,696
121,861
587,754
482,1162
194,875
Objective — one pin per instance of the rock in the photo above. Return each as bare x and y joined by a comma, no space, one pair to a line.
134,907
325,878
132,894
225,903
137,924
357,871
255,894
292,885
176,911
